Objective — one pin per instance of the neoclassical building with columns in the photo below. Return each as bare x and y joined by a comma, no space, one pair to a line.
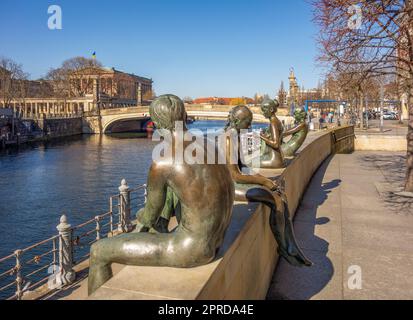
91,89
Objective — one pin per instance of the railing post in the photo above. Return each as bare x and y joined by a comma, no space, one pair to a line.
19,278
66,273
124,216
97,219
145,193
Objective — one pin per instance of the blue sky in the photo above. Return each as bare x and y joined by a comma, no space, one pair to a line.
190,48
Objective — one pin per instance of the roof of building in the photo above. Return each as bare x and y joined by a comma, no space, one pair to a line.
113,70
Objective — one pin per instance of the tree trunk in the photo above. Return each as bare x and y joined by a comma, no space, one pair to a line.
360,108
409,174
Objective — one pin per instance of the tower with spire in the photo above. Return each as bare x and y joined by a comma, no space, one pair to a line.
294,90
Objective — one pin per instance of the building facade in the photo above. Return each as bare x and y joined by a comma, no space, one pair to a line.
109,87
89,90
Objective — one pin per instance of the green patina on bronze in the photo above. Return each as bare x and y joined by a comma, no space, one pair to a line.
298,136
204,217
257,188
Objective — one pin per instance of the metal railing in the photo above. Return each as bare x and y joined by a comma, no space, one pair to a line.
50,262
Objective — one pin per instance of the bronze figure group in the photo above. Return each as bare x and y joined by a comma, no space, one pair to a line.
202,197
273,148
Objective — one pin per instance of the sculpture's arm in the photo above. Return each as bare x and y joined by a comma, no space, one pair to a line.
269,142
273,143
296,129
157,188
241,178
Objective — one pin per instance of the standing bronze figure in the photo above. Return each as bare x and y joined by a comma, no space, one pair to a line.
257,188
206,196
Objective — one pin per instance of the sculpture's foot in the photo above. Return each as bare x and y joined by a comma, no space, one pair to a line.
295,257
161,225
294,254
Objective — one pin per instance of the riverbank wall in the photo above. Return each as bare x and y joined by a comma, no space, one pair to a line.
58,127
42,129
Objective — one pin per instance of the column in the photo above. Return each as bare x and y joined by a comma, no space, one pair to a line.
139,95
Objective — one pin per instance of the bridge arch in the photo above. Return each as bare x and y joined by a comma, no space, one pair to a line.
110,122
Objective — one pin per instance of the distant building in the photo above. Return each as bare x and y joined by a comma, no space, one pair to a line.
293,94
88,90
223,100
297,96
109,86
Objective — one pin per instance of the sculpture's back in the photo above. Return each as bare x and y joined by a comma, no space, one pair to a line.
206,195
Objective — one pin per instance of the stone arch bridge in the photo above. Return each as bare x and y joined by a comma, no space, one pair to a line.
135,118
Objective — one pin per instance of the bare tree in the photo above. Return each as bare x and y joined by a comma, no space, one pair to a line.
12,80
370,38
70,79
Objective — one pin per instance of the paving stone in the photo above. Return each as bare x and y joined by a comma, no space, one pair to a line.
385,274
323,280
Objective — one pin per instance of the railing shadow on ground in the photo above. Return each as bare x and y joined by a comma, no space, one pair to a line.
294,283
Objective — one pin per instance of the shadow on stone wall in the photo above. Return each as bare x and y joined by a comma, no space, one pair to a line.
292,283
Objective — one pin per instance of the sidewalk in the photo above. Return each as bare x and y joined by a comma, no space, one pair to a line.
390,127
349,217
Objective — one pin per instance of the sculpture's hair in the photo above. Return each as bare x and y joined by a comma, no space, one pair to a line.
300,115
269,106
166,110
235,114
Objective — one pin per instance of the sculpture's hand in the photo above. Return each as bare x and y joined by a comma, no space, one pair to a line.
265,134
269,142
280,189
271,185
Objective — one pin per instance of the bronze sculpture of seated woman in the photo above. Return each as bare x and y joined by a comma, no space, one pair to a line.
257,188
273,148
206,196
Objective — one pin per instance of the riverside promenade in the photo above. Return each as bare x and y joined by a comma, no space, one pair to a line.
350,217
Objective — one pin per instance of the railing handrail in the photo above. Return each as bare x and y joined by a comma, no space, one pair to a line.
64,238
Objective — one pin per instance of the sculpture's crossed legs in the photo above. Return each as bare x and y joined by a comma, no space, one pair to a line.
280,222
180,249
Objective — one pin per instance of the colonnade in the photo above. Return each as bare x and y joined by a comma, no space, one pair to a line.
50,109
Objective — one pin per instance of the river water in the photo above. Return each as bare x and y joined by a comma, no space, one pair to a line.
75,176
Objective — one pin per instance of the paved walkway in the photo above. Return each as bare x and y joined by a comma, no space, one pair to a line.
391,127
350,217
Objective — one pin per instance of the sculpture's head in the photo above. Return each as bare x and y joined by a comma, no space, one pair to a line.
269,107
299,115
240,117
166,110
